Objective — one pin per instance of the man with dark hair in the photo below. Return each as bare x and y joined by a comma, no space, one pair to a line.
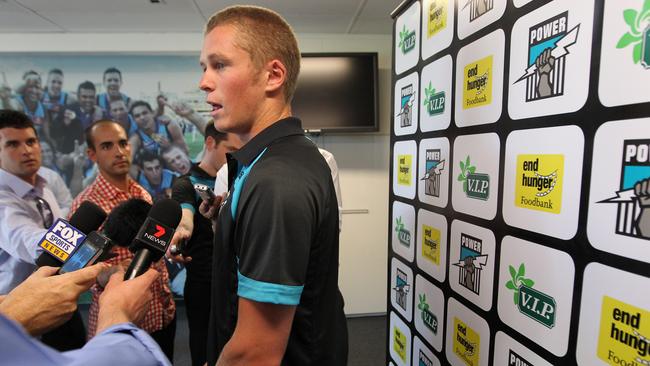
85,110
176,159
153,177
112,84
154,133
120,113
195,233
27,209
275,296
54,98
109,148
27,206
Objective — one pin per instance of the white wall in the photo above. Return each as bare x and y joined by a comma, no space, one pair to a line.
363,159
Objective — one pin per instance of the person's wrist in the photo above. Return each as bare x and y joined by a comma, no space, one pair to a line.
110,317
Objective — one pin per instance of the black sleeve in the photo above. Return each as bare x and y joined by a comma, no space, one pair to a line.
183,193
275,224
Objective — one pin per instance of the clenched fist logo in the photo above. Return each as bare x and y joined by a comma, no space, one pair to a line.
642,191
545,63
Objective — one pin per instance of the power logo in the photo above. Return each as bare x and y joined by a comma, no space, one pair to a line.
423,360
431,244
515,360
437,17
477,90
405,114
548,47
538,182
401,288
61,239
405,165
467,343
471,263
633,196
478,8
624,336
434,165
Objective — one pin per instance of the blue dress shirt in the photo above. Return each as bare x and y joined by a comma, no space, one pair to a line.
21,227
122,344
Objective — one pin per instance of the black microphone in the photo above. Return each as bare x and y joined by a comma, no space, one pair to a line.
63,236
154,236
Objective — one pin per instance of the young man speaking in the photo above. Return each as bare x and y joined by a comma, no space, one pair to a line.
275,297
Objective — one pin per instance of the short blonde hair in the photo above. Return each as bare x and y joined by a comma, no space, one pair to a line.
265,36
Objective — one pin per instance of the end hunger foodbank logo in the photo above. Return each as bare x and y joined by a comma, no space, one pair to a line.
624,337
538,184
405,114
403,235
401,288
434,165
399,343
404,172
428,318
477,89
471,262
548,47
637,36
478,8
466,343
431,244
406,40
533,303
475,185
434,102
437,19
633,196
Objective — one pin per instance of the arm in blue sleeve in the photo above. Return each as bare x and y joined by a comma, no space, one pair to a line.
123,344
19,233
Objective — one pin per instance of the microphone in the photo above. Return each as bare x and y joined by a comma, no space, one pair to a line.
154,236
63,237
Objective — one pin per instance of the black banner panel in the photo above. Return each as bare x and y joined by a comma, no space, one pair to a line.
520,183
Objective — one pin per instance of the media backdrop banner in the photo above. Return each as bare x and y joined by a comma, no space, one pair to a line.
520,183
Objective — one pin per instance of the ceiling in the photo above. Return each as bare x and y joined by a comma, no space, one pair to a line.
122,16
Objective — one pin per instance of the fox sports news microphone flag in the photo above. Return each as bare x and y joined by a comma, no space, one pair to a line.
519,226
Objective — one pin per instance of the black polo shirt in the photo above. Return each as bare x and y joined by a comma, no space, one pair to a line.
199,247
277,242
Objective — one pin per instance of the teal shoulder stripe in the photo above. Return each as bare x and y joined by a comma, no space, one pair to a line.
189,207
239,183
268,292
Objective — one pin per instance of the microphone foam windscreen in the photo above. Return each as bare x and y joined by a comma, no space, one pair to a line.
88,217
166,211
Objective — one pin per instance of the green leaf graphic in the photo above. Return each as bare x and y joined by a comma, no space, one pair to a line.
515,297
630,17
511,285
528,282
513,273
522,271
627,39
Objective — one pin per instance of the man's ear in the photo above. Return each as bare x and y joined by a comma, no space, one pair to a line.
276,75
91,154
